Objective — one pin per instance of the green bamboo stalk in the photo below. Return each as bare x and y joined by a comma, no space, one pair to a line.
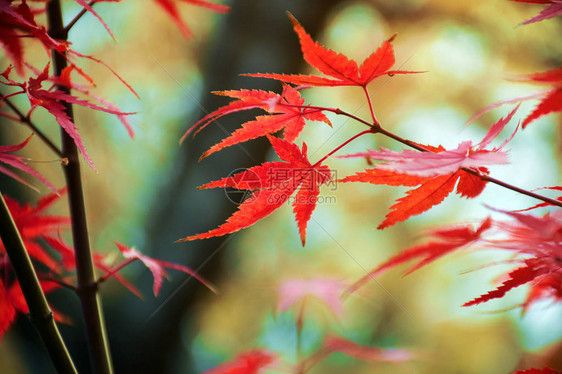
87,287
39,312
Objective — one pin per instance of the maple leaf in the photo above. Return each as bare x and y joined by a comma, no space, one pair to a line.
52,99
156,267
345,71
446,241
517,277
250,362
170,7
439,161
366,353
545,370
286,109
327,290
12,301
431,191
554,9
540,240
272,184
17,162
551,100
436,171
34,227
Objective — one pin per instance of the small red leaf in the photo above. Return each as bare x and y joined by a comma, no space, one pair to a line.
156,267
251,362
517,278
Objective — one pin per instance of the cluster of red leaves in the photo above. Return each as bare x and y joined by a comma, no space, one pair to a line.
273,183
258,360
550,100
36,229
535,241
52,99
546,370
435,172
554,9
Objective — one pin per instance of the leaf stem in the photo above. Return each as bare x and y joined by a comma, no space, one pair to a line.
23,118
87,289
370,105
39,312
342,145
71,24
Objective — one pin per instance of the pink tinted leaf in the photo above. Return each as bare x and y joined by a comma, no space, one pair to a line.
517,278
156,267
496,128
327,290
553,10
366,353
550,103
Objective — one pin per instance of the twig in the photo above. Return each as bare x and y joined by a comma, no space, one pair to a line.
87,288
39,312
25,119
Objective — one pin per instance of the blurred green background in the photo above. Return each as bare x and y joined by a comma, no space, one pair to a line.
144,194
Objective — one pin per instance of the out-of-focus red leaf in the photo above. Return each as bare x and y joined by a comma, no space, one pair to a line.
446,240
52,100
327,290
156,267
545,370
554,9
366,353
34,226
170,7
17,162
251,362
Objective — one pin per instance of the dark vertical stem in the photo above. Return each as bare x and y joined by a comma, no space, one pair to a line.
39,312
87,287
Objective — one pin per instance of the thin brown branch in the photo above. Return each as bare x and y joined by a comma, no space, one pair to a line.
25,119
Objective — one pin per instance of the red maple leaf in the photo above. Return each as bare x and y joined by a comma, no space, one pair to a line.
12,302
52,98
545,370
436,171
170,7
34,226
286,109
554,9
446,240
431,191
345,71
539,241
550,100
271,185
17,21
250,362
155,266
532,270
18,162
